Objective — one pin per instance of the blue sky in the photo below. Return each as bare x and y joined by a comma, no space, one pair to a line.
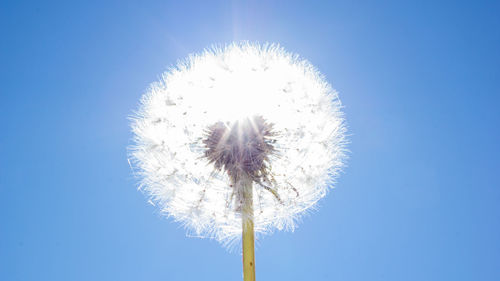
419,200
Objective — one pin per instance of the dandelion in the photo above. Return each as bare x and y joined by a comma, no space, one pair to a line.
240,139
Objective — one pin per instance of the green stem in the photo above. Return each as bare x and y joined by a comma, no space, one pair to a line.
247,229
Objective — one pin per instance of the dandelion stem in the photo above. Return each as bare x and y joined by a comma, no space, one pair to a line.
248,229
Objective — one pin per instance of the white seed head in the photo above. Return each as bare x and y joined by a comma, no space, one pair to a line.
244,107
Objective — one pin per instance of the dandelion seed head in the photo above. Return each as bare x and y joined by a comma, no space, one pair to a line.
244,146
246,108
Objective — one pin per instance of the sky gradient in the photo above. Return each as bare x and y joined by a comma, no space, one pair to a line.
419,81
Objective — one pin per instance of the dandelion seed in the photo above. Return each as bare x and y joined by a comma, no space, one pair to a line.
238,139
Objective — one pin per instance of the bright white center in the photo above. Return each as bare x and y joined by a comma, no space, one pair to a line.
247,88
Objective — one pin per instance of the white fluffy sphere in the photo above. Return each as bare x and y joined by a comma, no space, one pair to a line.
227,85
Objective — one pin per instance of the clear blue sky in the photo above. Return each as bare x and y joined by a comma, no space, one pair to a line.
419,200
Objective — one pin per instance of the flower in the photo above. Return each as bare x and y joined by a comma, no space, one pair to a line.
243,108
